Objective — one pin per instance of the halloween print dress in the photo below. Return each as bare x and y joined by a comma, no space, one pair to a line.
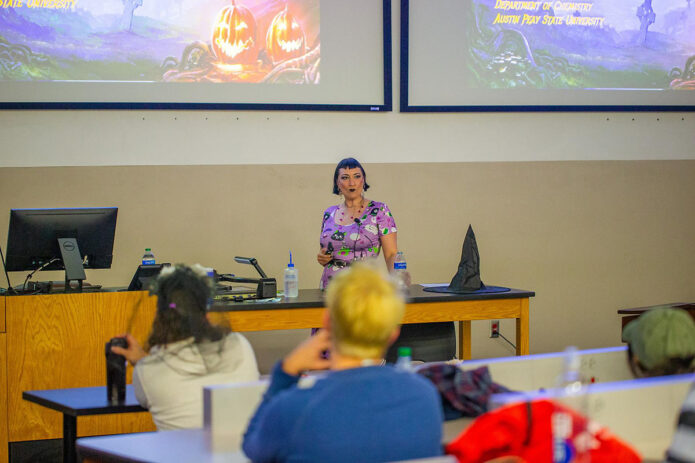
355,241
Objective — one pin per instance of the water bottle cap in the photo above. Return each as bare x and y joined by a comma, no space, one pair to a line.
148,249
404,352
290,265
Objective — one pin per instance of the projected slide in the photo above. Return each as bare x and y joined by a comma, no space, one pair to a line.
182,41
593,44
535,54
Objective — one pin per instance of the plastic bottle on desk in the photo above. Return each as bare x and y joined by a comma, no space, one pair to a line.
148,257
405,359
569,435
400,271
291,280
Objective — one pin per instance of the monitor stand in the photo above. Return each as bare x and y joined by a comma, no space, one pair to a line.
74,271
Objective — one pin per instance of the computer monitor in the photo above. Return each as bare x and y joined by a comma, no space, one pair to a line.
71,238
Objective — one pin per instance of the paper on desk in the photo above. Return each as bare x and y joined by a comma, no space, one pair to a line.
256,301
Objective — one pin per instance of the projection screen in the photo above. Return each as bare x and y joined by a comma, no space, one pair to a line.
188,54
498,55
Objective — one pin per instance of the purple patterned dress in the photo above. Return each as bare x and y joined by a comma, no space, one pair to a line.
356,241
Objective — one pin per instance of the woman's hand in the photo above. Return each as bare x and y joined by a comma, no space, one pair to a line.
405,276
323,257
308,355
389,246
133,352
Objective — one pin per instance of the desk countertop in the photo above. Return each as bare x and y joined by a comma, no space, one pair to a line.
186,445
82,401
157,447
314,298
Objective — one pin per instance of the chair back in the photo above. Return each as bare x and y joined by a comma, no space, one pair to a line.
541,371
227,409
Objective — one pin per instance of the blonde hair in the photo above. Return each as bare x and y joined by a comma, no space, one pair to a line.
365,308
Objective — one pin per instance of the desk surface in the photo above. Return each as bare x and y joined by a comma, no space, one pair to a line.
689,306
83,401
309,298
186,445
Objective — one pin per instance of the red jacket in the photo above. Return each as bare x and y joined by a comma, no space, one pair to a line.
524,430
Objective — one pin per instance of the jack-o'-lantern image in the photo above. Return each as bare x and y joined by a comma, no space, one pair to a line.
285,38
237,51
234,35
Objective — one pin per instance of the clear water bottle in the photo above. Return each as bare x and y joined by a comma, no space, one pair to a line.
405,359
400,271
148,257
291,280
569,436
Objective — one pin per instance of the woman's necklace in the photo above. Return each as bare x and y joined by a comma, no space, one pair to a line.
354,212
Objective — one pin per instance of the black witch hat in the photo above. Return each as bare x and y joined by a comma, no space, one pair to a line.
467,277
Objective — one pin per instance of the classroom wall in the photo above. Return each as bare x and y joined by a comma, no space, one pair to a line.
588,237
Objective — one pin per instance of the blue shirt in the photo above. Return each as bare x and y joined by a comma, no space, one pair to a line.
367,414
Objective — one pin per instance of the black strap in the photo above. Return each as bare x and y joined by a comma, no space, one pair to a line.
529,423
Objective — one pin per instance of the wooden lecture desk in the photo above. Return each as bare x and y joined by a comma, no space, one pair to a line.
56,341
306,310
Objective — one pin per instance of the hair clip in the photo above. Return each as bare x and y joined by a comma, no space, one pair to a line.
172,305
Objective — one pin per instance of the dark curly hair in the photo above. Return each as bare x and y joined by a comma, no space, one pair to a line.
183,295
348,163
672,366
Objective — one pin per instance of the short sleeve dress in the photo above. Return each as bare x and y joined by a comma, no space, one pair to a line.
355,241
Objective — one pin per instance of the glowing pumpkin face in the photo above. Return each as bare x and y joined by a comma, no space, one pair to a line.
234,35
285,38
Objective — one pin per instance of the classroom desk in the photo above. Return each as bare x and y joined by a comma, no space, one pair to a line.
45,333
306,311
188,445
631,314
81,401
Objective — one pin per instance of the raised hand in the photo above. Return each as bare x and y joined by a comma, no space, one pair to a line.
308,355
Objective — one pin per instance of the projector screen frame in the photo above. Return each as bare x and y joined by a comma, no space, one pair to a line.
385,106
406,107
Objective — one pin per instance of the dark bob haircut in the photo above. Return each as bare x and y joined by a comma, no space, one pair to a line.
348,163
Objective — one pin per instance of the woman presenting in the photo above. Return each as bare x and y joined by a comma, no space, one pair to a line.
356,229
360,228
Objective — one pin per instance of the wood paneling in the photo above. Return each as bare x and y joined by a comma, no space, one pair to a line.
3,398
57,341
2,313
282,319
461,310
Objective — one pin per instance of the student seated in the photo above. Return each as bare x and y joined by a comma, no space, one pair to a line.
662,342
185,351
362,410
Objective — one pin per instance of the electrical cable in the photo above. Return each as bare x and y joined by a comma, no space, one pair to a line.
24,286
508,341
10,289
